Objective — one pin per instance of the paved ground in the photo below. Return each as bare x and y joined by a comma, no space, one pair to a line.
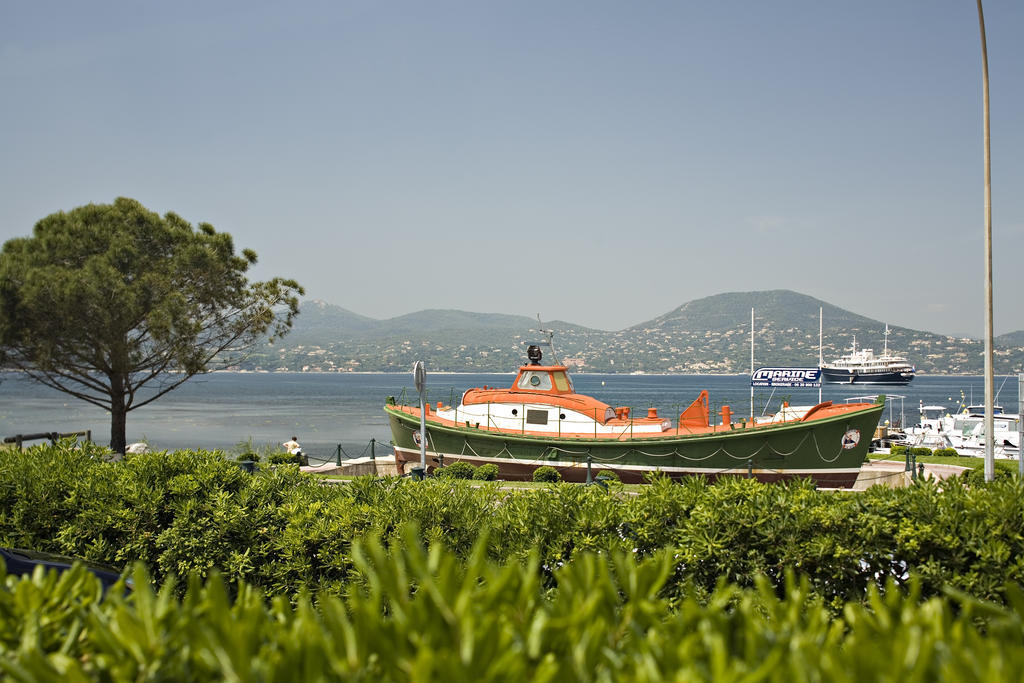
894,473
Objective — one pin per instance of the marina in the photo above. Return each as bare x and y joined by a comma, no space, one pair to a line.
963,429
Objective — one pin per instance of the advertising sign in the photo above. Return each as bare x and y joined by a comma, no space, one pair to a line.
786,377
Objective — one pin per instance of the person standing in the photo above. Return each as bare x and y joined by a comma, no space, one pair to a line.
292,446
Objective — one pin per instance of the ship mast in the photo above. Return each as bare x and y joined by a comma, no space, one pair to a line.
550,343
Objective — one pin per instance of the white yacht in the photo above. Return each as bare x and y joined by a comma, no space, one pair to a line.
862,366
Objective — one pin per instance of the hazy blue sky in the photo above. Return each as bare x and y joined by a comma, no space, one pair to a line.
597,162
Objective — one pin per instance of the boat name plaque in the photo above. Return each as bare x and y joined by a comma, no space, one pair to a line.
786,377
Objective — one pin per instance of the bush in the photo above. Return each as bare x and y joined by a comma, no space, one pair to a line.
946,452
486,472
284,458
610,475
608,619
546,473
283,531
920,450
457,470
899,450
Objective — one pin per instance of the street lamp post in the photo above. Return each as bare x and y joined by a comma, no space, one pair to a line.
990,462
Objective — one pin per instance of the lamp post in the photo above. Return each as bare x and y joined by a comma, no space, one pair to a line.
419,375
990,462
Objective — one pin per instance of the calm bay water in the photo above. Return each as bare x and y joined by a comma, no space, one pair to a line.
221,410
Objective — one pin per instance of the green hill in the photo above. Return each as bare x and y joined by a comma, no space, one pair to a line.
709,335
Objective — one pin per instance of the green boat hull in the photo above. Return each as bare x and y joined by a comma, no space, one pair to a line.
829,450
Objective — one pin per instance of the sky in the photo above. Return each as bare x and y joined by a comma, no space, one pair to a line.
599,162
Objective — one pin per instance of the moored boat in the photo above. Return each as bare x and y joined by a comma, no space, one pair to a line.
964,431
541,420
862,366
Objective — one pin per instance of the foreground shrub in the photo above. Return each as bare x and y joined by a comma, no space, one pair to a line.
546,473
945,452
283,531
285,458
457,470
475,619
486,472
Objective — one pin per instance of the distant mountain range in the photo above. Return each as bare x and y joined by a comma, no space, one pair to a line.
709,335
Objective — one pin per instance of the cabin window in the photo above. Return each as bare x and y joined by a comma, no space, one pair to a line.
561,381
538,381
536,417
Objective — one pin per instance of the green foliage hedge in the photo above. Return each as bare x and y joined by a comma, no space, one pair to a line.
547,473
431,615
457,470
283,531
486,472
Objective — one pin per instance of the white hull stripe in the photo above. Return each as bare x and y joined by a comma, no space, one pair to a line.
414,456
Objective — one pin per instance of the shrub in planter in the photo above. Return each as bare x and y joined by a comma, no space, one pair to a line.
486,472
285,459
945,452
546,473
457,470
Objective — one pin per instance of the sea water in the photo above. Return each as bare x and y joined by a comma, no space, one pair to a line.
332,411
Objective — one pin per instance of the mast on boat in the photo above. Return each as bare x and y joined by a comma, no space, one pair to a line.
550,343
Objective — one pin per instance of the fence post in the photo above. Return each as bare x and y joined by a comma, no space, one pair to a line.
337,460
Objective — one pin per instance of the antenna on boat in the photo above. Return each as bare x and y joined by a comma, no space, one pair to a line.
550,343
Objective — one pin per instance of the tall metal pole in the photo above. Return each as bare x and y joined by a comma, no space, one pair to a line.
820,378
990,461
751,364
1020,425
419,375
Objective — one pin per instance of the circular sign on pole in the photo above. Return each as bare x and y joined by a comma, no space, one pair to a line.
419,376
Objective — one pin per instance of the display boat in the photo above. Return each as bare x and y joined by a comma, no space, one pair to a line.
541,420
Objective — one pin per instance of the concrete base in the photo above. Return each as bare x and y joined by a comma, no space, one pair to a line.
383,466
893,473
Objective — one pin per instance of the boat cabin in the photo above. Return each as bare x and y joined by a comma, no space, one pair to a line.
544,379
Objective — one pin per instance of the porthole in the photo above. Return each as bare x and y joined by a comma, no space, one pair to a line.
514,412
535,380
561,416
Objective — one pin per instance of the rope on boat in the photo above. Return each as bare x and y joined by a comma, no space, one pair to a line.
674,452
817,447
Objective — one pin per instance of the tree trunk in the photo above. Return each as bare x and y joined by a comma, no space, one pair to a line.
118,420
